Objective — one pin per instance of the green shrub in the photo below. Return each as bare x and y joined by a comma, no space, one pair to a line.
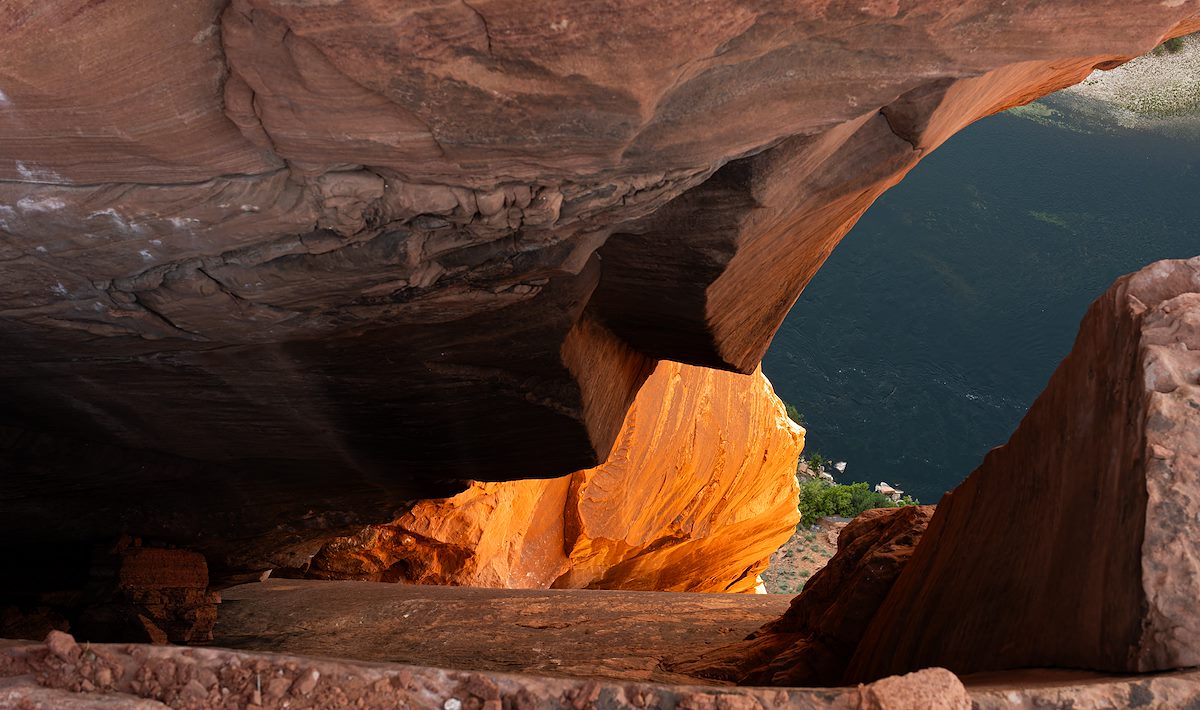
793,413
820,499
816,462
1173,45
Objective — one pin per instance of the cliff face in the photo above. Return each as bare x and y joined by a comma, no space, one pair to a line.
309,262
1073,545
698,492
1070,547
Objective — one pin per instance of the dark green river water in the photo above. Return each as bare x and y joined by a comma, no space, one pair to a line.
938,320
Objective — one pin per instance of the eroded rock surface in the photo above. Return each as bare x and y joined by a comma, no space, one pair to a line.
61,674
318,261
1073,545
813,642
699,490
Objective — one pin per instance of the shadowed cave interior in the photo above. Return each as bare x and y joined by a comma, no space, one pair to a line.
525,383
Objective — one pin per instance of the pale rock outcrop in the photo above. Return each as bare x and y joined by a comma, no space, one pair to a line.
699,491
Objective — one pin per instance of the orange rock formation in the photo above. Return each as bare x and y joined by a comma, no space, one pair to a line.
699,491
282,268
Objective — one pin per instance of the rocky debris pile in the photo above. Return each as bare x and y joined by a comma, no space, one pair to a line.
883,488
815,639
816,469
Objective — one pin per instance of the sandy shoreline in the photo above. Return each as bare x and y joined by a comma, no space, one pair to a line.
1156,92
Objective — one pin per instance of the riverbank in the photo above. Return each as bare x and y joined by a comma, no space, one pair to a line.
1157,92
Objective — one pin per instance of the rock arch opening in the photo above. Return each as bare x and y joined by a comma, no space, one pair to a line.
344,264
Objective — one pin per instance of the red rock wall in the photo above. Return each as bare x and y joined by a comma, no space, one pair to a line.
699,491
1073,545
301,258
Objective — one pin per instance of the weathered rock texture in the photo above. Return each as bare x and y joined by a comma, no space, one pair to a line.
60,674
595,633
699,491
812,643
318,259
1073,545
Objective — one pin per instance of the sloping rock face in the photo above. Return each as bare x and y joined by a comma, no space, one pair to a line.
316,260
698,492
813,642
1073,545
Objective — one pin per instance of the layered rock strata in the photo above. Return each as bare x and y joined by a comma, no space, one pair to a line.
1073,545
699,491
332,258
594,633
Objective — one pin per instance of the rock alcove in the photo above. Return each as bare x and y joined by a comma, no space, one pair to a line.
275,270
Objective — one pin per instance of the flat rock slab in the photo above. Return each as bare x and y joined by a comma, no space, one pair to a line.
580,633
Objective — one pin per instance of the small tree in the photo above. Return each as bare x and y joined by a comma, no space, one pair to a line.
821,499
817,462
